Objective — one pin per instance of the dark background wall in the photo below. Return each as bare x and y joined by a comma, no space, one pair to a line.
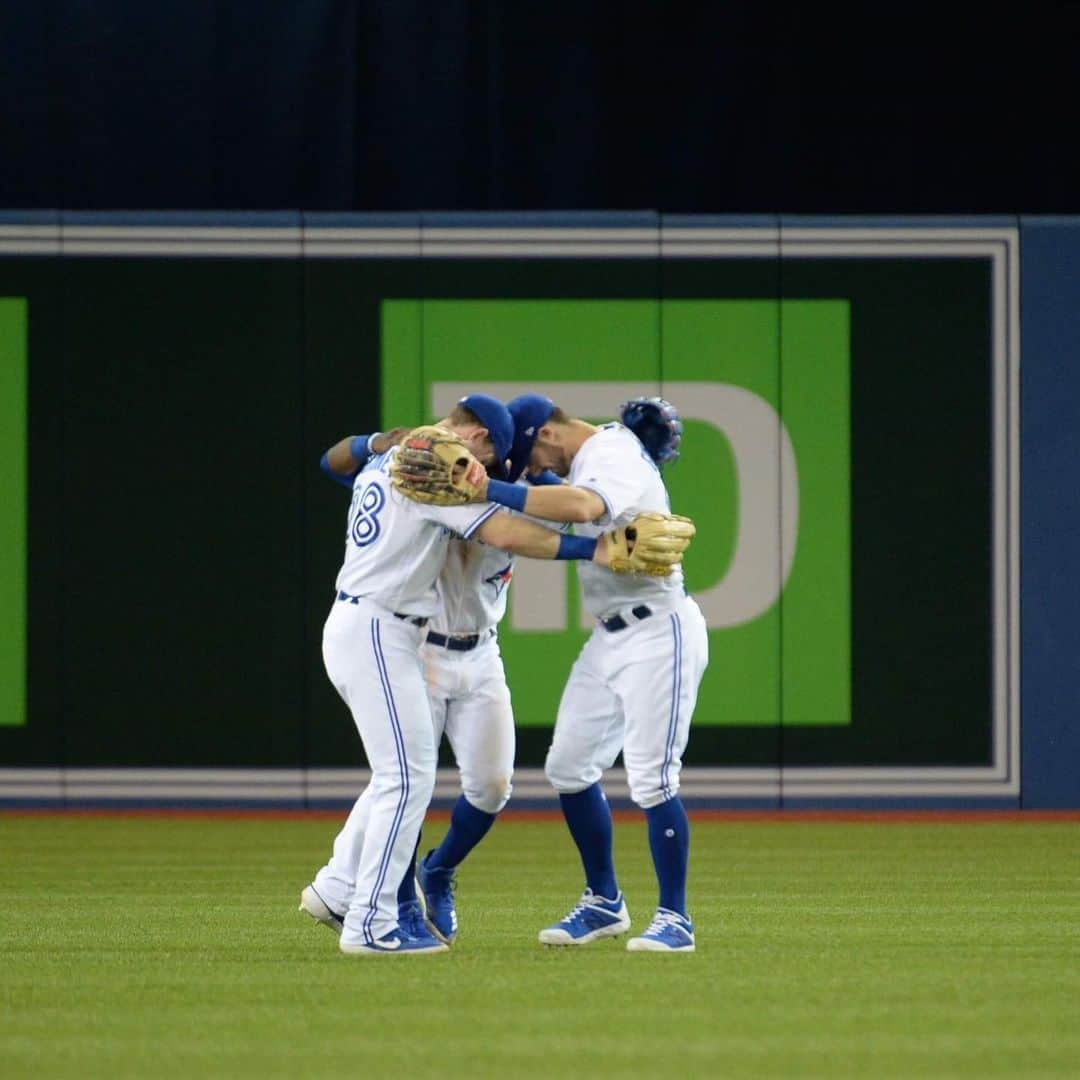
183,543
401,104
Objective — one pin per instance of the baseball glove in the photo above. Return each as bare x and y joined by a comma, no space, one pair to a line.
652,543
433,465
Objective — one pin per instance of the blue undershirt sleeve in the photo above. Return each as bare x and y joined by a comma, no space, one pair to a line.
359,450
344,479
543,479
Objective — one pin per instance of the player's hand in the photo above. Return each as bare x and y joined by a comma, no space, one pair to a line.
384,440
653,544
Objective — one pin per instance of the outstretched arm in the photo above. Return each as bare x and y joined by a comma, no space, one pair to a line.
521,537
552,502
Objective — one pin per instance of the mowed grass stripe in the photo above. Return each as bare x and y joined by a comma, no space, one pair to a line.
172,947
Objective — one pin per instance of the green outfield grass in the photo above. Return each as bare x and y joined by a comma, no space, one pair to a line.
161,947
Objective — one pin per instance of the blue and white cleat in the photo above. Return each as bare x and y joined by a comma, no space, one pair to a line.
397,943
668,932
412,922
593,917
436,886
311,903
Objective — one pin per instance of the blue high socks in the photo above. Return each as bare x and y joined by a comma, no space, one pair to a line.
588,817
669,841
468,826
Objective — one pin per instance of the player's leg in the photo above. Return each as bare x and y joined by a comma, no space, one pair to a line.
663,662
480,729
328,897
588,733
412,910
439,700
376,659
586,741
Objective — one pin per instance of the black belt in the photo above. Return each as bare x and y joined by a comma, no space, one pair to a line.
416,620
617,622
457,642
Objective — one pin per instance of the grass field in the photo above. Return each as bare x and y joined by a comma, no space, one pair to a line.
160,947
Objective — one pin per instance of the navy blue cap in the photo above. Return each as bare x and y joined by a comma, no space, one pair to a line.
530,412
493,414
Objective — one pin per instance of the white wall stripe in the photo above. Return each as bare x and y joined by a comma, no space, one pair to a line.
291,786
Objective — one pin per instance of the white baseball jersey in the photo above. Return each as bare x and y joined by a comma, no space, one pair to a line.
472,588
613,464
473,583
395,548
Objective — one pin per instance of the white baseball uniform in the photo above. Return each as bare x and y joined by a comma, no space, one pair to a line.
394,552
634,685
470,701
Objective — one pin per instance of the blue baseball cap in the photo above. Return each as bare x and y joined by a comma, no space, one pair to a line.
530,412
494,415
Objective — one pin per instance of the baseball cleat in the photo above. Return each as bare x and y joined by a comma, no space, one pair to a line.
311,903
593,917
436,886
396,943
412,922
668,932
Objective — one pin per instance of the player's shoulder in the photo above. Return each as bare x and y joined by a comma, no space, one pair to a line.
616,443
380,463
607,439
613,430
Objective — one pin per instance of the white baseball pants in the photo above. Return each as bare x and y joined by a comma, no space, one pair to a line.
373,660
470,704
632,690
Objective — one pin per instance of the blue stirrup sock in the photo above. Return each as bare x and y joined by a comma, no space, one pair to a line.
669,841
588,818
468,826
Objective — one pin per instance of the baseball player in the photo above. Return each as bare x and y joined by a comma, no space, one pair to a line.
634,685
385,597
469,696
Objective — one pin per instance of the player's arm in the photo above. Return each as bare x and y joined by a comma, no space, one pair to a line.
561,502
521,537
346,458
